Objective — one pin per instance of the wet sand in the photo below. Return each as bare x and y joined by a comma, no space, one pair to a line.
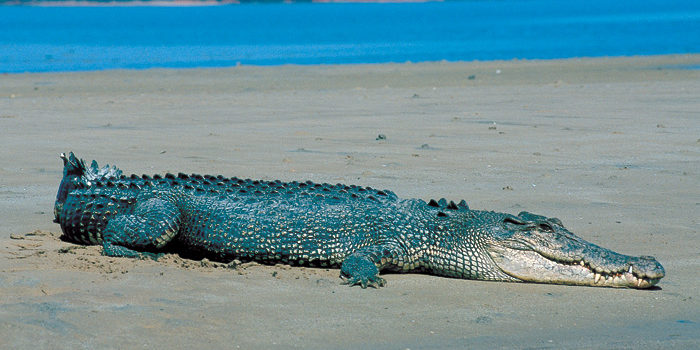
610,146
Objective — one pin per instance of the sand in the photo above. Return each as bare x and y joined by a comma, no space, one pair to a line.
609,145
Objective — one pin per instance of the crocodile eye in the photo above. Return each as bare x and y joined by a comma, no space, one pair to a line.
545,227
512,221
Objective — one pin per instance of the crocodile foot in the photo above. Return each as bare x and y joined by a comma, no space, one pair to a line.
359,270
110,249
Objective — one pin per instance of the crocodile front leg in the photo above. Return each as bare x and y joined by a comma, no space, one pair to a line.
153,224
363,266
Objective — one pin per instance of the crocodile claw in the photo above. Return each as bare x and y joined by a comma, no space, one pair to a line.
364,282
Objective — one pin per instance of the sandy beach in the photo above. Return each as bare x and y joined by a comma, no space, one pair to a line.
611,146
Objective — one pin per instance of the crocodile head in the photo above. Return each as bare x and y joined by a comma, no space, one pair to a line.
535,248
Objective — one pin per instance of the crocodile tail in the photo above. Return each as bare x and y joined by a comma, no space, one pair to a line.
73,166
76,174
94,172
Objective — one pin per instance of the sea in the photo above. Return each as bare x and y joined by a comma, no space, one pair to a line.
74,38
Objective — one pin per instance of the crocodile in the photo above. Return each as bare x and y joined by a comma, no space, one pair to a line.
360,230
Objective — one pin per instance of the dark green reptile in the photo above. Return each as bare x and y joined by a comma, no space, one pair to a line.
359,229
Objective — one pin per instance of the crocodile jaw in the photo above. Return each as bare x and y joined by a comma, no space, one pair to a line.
531,266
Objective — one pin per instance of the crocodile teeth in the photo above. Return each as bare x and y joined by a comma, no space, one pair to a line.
639,282
582,263
596,277
630,269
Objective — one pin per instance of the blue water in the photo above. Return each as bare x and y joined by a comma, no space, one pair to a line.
37,39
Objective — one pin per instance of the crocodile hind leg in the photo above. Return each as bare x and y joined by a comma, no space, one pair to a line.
153,224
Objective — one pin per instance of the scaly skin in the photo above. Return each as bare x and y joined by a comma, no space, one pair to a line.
362,231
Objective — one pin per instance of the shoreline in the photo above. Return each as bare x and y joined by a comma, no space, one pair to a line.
681,61
608,145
